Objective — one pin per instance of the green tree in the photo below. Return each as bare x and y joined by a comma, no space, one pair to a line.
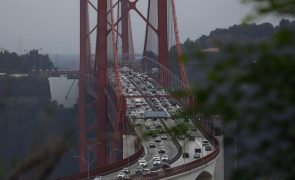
253,86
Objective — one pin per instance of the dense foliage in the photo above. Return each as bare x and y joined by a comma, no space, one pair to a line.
241,34
29,121
251,84
13,63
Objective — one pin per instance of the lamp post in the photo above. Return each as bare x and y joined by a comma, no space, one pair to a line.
184,154
86,162
34,52
25,59
233,136
202,151
90,148
41,68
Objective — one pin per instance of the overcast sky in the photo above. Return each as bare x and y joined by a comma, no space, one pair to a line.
54,24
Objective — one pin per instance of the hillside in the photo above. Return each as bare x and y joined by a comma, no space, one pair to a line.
241,34
33,60
244,34
28,119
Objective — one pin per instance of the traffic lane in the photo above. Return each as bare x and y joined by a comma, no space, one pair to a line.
168,145
171,151
132,167
189,147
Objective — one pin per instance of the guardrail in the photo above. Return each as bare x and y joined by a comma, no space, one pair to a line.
178,146
173,138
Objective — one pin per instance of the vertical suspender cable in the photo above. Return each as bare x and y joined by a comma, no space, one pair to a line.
131,39
179,51
116,68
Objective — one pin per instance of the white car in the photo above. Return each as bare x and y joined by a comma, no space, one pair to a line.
121,175
98,178
126,170
131,94
165,157
137,123
197,155
146,171
155,157
164,137
143,163
140,160
157,163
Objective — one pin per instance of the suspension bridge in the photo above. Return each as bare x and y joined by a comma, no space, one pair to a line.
127,105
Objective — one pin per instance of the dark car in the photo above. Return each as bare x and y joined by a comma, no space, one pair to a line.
198,150
138,170
157,139
205,142
165,165
152,145
208,148
162,151
191,138
185,155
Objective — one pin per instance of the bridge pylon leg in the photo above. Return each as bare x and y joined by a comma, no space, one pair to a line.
101,104
82,83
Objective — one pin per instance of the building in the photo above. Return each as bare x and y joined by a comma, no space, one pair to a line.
2,50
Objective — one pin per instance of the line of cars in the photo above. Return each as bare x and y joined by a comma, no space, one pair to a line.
136,105
149,86
124,174
171,106
207,145
158,104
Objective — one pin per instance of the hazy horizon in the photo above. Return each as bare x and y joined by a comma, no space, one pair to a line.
58,32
